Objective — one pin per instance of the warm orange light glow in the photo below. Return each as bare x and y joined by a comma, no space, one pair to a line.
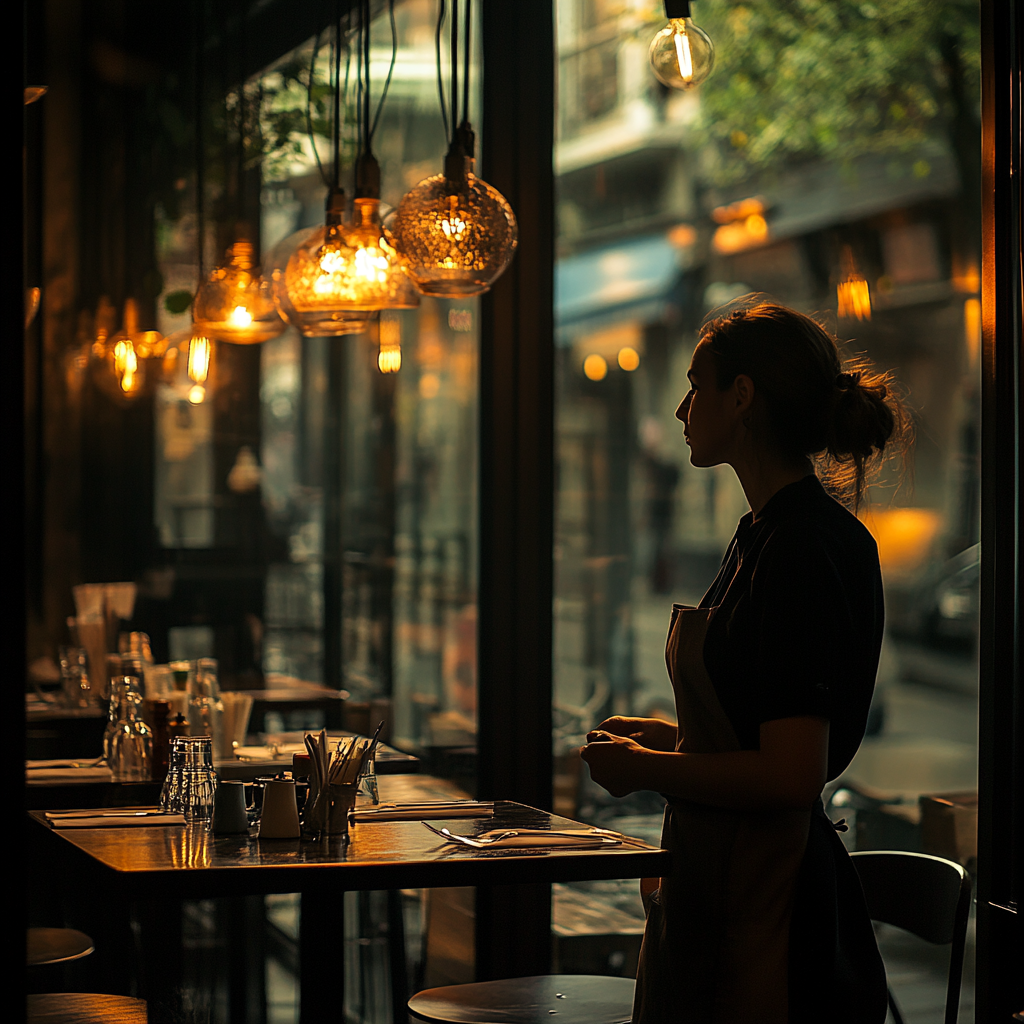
126,365
682,236
968,280
972,331
904,536
196,394
430,385
389,359
200,350
740,210
740,234
595,367
853,297
629,358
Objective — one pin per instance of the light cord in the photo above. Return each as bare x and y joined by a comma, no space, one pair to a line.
440,80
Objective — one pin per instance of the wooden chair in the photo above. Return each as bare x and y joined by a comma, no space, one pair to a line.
926,896
85,1008
575,998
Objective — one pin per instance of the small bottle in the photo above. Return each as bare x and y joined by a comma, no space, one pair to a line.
160,713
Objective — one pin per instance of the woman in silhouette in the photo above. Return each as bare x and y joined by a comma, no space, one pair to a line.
762,919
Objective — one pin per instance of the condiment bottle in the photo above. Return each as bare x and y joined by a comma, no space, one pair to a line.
160,713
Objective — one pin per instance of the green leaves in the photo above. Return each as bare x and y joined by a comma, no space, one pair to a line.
831,79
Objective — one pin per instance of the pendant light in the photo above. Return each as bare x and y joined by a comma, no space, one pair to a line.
681,54
377,279
121,357
312,280
235,303
456,233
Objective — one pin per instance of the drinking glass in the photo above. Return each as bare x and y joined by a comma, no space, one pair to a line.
198,786
74,676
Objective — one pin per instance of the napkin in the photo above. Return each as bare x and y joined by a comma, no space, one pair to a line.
429,810
538,837
112,819
65,771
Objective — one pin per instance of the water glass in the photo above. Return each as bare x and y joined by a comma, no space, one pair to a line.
187,752
198,787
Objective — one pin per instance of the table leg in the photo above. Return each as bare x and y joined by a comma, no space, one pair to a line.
396,958
161,963
513,931
245,922
321,957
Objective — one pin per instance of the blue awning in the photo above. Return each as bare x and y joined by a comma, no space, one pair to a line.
628,280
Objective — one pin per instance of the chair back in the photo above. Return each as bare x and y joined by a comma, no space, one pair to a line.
927,896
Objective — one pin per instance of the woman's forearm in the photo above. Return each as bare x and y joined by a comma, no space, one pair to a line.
739,780
787,771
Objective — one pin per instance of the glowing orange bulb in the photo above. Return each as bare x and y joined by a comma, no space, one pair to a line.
200,350
628,358
595,367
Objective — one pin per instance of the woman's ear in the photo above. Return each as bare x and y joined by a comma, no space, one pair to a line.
743,393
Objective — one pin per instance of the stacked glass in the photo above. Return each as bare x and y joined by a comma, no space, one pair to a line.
191,779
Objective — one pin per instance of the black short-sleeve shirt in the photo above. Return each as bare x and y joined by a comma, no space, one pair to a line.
796,619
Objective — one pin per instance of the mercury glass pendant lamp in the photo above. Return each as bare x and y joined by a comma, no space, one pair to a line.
456,233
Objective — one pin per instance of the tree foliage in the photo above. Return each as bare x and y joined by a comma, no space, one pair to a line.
833,79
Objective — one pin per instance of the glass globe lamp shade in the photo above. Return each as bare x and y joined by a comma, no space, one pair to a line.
456,235
682,54
374,278
309,275
235,303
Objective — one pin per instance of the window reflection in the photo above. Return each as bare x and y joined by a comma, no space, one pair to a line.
852,198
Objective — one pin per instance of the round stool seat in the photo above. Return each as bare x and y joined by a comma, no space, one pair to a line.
56,945
566,998
85,1008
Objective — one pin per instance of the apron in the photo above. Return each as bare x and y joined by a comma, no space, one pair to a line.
716,947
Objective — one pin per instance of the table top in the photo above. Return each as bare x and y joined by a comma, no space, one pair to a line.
190,863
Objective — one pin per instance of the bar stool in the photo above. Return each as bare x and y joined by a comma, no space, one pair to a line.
85,1008
56,946
574,998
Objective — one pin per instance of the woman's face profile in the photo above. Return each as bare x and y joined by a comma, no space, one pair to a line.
708,415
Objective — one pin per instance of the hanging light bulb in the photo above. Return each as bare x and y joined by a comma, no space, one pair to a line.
309,272
376,277
124,354
681,54
200,352
389,358
235,303
456,233
853,297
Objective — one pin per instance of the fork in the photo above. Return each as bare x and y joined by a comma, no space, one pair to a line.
476,844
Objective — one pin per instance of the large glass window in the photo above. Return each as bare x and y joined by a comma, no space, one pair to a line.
354,490
833,143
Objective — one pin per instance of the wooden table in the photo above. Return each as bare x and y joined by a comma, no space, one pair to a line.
157,868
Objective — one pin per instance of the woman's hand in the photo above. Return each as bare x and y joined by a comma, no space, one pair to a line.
652,733
616,762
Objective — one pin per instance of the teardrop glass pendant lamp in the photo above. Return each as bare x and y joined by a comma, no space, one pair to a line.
235,303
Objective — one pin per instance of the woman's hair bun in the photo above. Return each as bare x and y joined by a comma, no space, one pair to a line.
842,413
